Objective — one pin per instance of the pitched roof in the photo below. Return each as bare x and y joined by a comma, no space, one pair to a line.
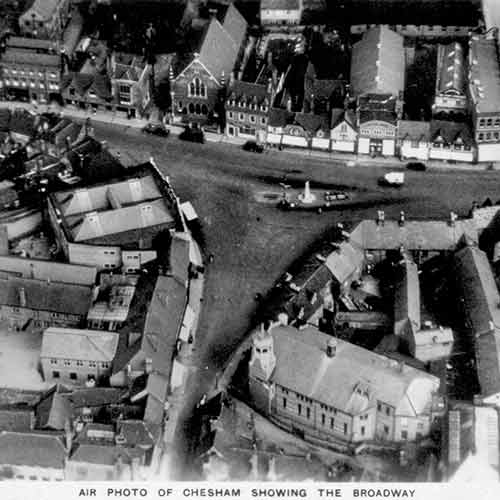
48,270
69,343
484,82
16,418
135,433
343,262
45,9
451,132
414,130
339,115
378,62
407,295
279,117
431,336
103,454
95,397
20,56
451,69
20,42
179,257
41,295
247,92
234,24
484,216
413,235
54,411
311,123
280,4
302,365
32,449
480,296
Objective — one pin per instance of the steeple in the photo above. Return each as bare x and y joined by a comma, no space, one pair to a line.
263,360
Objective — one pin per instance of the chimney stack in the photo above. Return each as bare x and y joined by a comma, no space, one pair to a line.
401,218
289,104
453,218
380,217
331,348
22,297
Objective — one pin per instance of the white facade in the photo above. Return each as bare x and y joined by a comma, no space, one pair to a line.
388,147
416,150
363,145
101,257
451,154
320,143
271,16
343,138
488,152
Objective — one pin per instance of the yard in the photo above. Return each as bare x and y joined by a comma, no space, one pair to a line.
19,359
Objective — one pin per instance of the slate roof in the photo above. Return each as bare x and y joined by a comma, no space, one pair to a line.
413,235
23,122
451,71
20,56
32,449
414,131
95,397
179,258
248,92
407,295
279,117
20,42
45,9
479,294
302,365
54,410
127,67
451,132
45,270
484,82
68,343
41,295
311,123
103,454
339,115
135,433
16,418
378,63
280,4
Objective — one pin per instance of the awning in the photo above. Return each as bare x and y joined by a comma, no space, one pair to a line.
189,211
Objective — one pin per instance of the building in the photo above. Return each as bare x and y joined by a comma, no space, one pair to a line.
198,81
479,299
413,139
32,456
451,141
451,80
45,19
95,225
307,131
281,12
378,63
377,124
343,130
430,344
407,300
247,108
92,92
277,121
30,302
31,70
291,373
484,94
111,307
470,444
76,356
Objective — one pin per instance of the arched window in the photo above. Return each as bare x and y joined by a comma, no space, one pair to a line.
204,110
197,88
198,109
191,108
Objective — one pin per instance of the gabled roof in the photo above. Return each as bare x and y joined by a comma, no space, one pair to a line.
480,297
234,24
302,365
135,433
103,454
407,295
68,343
248,92
280,4
63,298
54,411
378,63
95,397
32,449
451,70
414,131
311,123
344,261
340,115
45,9
450,132
279,117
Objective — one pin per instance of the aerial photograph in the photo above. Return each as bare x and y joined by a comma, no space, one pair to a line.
250,240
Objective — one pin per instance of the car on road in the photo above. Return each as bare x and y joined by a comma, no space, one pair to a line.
192,134
336,196
253,147
392,179
417,166
153,129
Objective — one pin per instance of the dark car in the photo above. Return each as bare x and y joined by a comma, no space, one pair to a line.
156,130
253,147
416,165
192,134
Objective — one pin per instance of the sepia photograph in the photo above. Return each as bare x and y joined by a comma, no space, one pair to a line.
249,249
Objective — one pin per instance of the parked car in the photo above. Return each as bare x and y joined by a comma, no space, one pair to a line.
329,196
253,147
192,134
416,165
153,129
392,179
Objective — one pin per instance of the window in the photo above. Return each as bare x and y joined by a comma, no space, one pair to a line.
230,114
323,418
489,122
72,91
204,109
263,120
404,435
197,88
92,364
386,429
284,402
379,407
55,374
362,430
79,363
191,108
67,362
73,376
345,428
414,144
420,425
387,410
332,423
299,409
241,117
404,422
308,412
480,136
124,92
53,361
481,122
252,118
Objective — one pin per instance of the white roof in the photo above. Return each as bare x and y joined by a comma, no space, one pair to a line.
189,211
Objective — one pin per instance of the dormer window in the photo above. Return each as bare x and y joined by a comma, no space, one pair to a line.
263,108
242,104
197,88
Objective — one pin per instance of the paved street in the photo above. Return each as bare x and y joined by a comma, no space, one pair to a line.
252,242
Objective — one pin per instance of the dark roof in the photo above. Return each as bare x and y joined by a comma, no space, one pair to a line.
4,119
32,449
368,115
16,418
339,115
279,117
20,56
311,123
248,92
136,433
378,62
54,410
280,4
480,298
414,130
179,256
451,71
407,296
20,42
103,454
42,295
23,122
451,132
95,397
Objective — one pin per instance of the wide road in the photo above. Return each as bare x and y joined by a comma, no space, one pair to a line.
253,243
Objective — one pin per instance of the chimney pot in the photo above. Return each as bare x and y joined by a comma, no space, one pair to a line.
401,218
331,348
